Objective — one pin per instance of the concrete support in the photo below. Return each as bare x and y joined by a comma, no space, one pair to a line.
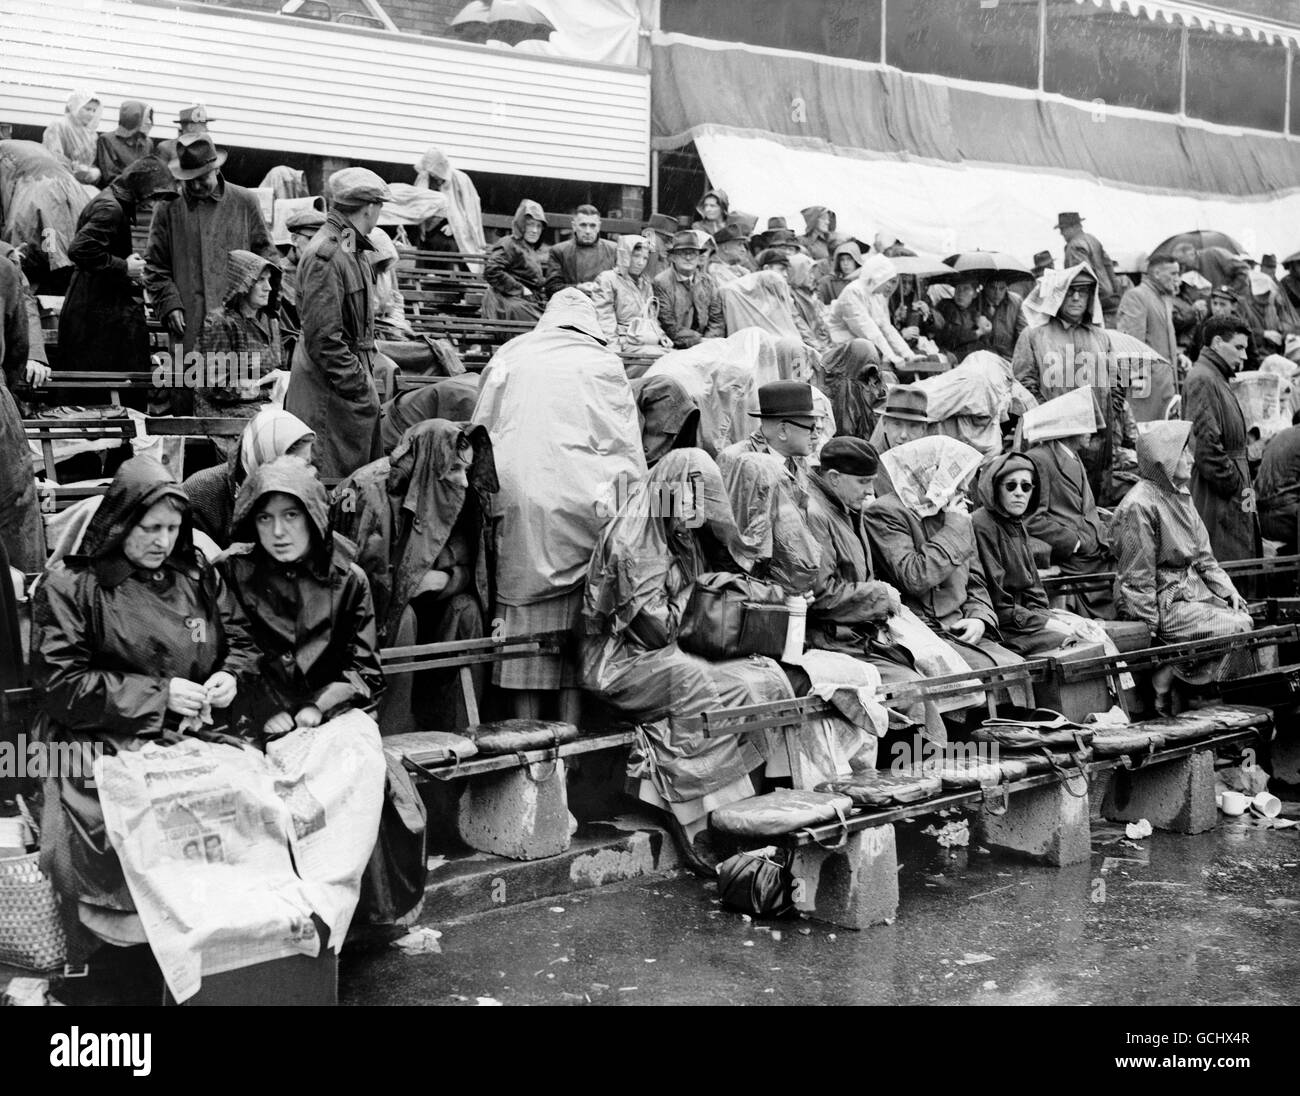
1047,824
521,813
1177,796
320,168
855,886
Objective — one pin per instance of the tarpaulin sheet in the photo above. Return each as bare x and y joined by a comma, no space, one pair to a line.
40,201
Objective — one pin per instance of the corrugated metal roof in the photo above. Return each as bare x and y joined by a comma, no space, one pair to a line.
290,85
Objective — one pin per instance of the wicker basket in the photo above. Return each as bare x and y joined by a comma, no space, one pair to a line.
31,932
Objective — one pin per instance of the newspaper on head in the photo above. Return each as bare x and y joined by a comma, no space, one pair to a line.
929,471
1066,416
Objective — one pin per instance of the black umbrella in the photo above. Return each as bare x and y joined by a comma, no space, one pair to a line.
988,264
1198,239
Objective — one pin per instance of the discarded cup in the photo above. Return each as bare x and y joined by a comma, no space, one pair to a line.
1234,804
1266,805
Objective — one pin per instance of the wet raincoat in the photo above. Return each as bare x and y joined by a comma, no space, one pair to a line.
1167,576
834,283
312,620
1277,485
271,433
22,530
117,151
1221,483
102,322
107,637
814,240
556,465
670,416
763,300
712,227
71,141
513,265
859,312
450,398
40,201
771,522
638,586
689,312
627,307
331,384
234,392
464,210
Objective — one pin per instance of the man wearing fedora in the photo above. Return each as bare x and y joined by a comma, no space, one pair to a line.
190,241
191,119
1043,261
1080,247
732,260
690,307
331,382
788,425
903,416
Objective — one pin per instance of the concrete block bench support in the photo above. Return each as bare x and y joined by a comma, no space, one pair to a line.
854,886
1047,824
522,813
1177,795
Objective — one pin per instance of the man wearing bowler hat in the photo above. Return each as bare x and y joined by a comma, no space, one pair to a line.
1080,247
788,426
190,241
690,308
331,382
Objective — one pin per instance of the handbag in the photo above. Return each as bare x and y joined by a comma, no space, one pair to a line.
717,621
394,878
31,930
756,884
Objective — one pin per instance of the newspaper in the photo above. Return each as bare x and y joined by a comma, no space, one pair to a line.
1064,417
929,471
204,832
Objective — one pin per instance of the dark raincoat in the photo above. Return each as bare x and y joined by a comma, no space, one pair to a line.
106,639
513,265
252,340
450,398
116,151
313,620
1221,484
813,240
331,383
832,285
102,324
1167,576
22,531
1277,485
638,587
670,416
1015,590
1007,320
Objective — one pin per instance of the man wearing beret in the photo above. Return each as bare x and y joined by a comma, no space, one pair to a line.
848,603
331,384
190,241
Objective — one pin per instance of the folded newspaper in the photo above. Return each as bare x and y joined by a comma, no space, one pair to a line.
929,471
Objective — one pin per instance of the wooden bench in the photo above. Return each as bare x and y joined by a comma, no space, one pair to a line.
122,429
1059,585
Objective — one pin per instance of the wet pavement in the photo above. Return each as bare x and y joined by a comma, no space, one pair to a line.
1169,919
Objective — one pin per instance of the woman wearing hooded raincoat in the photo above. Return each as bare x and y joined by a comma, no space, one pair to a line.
117,151
712,207
772,528
72,138
134,639
1167,576
638,586
846,263
1008,493
819,225
626,304
861,312
307,603
239,335
670,417
515,268
463,228
270,434
102,324
420,521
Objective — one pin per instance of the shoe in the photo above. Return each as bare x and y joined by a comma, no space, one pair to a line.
697,854
1165,703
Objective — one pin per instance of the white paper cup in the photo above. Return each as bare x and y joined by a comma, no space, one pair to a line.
1233,804
1265,805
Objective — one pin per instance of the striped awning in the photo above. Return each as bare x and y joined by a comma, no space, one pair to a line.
1205,17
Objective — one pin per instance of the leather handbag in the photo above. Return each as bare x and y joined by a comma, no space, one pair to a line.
715,624
758,885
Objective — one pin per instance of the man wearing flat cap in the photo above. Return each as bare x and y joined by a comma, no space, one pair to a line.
690,308
788,425
849,603
190,241
331,384
301,225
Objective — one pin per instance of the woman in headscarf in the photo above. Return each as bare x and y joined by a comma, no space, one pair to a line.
670,417
1167,576
102,324
72,137
271,433
514,269
924,543
638,586
450,398
117,151
389,305
626,304
712,208
462,230
308,604
420,521
237,344
135,640
861,312
847,262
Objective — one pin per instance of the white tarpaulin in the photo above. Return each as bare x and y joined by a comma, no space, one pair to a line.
205,831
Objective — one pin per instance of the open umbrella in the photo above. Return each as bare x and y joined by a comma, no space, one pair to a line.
1199,238
921,266
989,263
510,21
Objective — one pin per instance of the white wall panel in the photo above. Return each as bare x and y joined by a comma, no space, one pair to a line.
287,84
